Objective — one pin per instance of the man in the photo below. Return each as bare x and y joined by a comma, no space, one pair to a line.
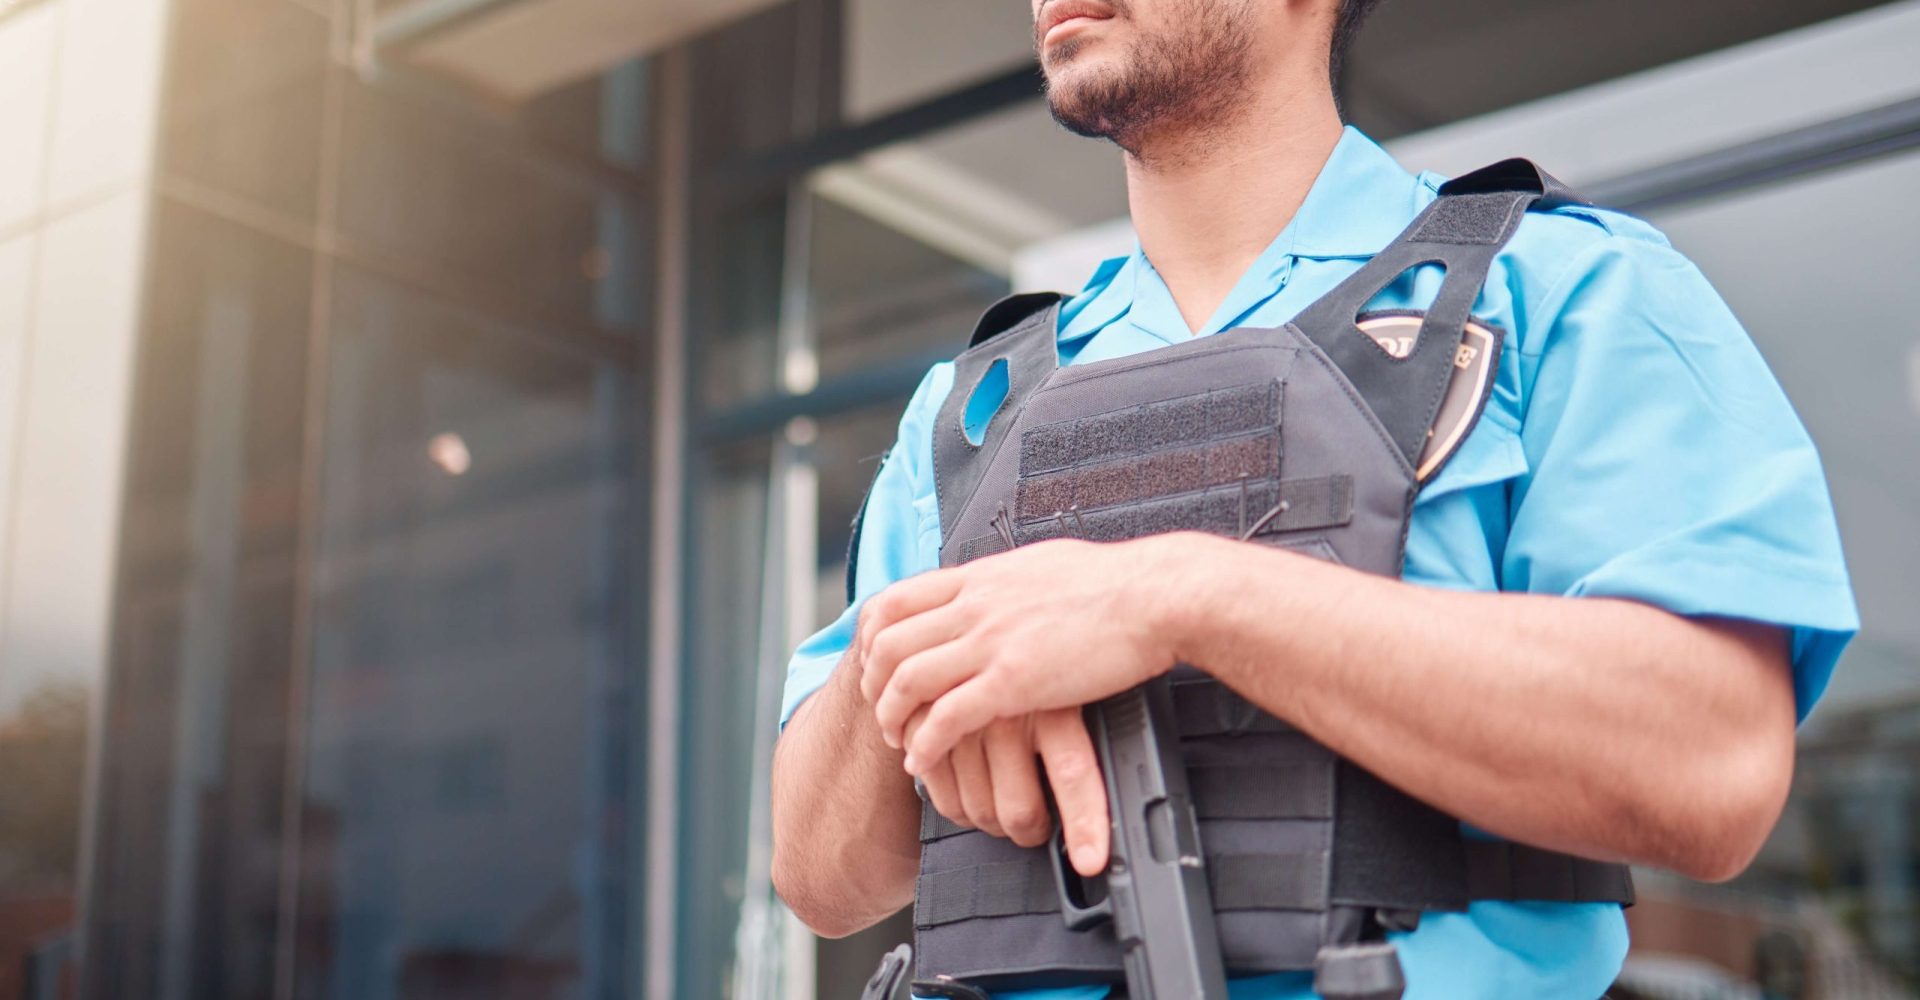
1618,594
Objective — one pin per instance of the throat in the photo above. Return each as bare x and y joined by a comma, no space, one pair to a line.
1203,221
1200,286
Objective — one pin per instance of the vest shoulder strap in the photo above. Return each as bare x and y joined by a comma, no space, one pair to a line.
1462,231
1022,329
1010,313
1019,332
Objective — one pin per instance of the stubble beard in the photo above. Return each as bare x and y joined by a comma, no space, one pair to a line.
1171,90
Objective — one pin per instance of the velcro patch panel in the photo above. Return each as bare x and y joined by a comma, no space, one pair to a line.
1149,427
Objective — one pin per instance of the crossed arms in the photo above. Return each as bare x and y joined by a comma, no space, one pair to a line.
1603,728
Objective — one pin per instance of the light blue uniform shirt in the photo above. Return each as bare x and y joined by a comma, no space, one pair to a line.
1635,446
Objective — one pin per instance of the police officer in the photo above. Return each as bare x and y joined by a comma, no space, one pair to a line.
1618,594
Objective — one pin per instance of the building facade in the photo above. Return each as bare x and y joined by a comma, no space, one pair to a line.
425,425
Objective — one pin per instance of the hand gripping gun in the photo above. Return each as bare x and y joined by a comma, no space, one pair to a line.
1156,883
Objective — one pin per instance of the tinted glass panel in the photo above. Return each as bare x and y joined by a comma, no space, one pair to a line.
465,807
889,63
727,573
908,244
244,105
187,859
453,198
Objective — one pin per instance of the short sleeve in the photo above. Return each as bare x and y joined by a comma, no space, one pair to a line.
1667,466
899,538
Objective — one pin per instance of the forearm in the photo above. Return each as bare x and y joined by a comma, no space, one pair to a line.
1602,728
846,820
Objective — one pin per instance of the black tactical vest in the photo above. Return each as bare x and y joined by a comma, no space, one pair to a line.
1313,437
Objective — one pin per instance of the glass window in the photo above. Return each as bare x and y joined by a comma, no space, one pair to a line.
728,661
186,859
734,320
888,65
909,243
465,798
1834,901
243,108
440,192
895,253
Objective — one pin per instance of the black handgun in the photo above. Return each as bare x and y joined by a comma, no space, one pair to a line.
1156,882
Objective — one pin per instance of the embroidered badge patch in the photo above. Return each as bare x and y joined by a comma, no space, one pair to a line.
1473,371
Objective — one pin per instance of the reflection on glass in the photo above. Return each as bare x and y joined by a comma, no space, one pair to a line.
728,563
441,191
466,800
736,306
909,243
243,108
185,900
888,64
43,745
1832,907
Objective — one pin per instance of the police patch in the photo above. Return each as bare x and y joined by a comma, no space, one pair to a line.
1473,366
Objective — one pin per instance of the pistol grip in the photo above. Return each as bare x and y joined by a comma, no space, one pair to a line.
1079,917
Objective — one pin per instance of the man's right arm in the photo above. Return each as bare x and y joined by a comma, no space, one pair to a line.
846,820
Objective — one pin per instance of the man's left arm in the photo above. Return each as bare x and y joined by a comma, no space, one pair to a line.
1603,728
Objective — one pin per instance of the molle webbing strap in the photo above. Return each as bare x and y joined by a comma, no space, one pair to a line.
1498,869
1295,881
999,889
1302,880
1393,851
1463,231
1282,791
1019,330
1302,792
1210,708
1269,881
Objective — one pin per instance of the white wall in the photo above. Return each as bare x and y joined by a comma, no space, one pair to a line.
79,81
1610,130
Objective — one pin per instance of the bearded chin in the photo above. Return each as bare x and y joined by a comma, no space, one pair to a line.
1187,84
1111,107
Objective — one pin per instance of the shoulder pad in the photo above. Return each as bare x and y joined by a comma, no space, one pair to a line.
1010,312
1515,175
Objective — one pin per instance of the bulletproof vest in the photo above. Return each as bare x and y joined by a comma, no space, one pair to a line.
1313,437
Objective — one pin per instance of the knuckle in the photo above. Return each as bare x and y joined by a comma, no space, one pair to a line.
944,804
1009,660
885,647
1070,768
1024,818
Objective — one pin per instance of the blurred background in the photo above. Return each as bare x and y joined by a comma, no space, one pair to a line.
425,425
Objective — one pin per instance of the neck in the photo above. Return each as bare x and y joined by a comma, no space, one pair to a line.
1206,206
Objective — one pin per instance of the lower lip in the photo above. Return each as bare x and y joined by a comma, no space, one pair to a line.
1071,26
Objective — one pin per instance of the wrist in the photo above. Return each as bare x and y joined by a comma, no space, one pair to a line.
1192,575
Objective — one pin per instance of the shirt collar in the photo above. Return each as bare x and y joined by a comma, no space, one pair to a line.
1360,201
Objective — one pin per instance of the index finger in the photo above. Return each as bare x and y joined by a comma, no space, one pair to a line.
915,595
1079,790
902,600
